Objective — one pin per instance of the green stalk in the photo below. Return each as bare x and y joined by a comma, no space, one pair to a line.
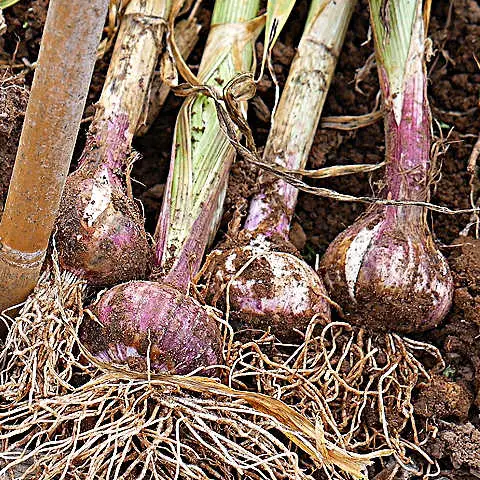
202,154
398,31
277,14
298,113
385,270
399,44
7,3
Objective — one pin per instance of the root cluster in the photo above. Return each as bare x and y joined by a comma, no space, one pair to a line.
360,386
113,429
64,415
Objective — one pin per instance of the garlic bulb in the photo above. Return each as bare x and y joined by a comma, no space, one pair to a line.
266,286
387,274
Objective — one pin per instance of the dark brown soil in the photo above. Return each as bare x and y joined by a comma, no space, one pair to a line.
460,332
13,102
18,48
454,94
24,21
444,398
460,443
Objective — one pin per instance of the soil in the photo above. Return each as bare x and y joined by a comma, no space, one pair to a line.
444,398
13,102
454,94
462,445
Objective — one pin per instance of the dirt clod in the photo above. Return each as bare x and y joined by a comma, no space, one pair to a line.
461,443
444,398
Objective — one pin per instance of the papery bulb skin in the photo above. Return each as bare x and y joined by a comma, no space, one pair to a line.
277,289
387,274
140,317
100,232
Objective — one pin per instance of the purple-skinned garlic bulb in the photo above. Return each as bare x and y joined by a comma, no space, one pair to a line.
139,318
385,270
100,230
387,273
259,277
266,284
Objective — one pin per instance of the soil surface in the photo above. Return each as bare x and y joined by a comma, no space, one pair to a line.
13,102
453,399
